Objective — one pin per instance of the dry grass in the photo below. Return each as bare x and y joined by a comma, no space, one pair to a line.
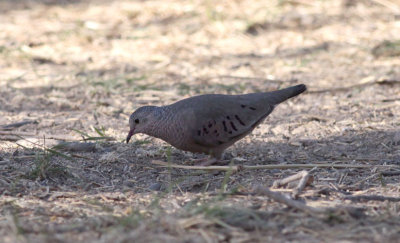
75,70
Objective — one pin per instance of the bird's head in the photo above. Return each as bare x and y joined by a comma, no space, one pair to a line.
140,120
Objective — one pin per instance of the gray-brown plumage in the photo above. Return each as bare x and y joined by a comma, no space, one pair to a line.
208,123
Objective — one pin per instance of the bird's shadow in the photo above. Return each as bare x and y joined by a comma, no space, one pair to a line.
118,167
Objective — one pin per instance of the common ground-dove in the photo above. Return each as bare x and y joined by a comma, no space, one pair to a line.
208,123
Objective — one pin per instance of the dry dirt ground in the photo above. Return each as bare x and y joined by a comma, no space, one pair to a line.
75,70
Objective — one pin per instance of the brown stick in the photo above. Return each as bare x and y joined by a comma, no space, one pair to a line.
304,178
194,167
281,198
371,198
76,147
17,133
381,82
250,78
17,124
304,181
390,173
269,167
388,4
22,135
287,180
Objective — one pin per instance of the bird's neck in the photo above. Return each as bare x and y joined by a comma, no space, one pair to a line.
162,118
169,125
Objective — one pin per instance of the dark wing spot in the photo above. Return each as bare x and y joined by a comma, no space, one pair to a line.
205,130
243,106
219,142
240,121
233,126
230,132
215,131
252,108
209,125
228,117
225,128
198,132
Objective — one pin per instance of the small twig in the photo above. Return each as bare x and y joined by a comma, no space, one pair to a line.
270,167
17,124
287,180
17,133
305,178
342,177
76,147
281,198
390,100
388,4
371,198
250,78
21,135
45,148
300,2
194,167
380,82
285,199
366,179
390,173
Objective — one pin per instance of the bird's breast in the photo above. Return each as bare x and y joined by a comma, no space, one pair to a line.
171,128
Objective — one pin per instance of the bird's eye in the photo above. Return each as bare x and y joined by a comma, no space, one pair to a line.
136,121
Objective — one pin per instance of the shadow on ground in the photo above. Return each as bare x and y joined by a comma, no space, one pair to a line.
119,167
117,189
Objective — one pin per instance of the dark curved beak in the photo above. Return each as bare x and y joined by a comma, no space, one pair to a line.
131,132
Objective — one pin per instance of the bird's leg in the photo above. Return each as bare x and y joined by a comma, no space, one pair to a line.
214,157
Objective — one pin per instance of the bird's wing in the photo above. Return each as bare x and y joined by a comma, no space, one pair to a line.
228,118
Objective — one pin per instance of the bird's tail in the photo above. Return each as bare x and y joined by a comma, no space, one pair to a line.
279,96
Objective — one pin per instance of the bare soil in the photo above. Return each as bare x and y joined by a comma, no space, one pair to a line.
74,70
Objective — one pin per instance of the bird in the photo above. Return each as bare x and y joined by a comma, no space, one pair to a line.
208,123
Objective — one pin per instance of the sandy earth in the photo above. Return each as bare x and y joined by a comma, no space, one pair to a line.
75,70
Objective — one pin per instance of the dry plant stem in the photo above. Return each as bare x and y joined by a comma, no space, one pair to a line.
76,146
287,180
250,78
366,179
269,167
355,86
371,198
281,198
17,124
388,4
304,177
304,181
26,134
390,173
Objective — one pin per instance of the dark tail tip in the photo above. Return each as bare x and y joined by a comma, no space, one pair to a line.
284,94
300,88
294,90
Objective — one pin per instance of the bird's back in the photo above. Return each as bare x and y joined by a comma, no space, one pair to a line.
214,122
